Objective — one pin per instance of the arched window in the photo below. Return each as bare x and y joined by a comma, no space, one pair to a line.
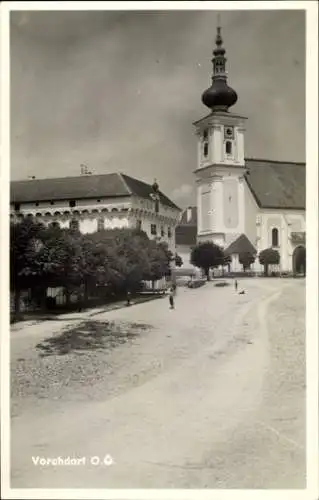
228,147
274,237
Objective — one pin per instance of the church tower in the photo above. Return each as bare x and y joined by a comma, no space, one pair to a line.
220,160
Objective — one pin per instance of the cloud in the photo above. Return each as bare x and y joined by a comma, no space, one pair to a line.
90,86
182,192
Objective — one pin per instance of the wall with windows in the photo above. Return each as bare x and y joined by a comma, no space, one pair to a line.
156,227
276,229
90,215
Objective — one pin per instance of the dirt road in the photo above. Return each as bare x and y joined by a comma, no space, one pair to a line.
212,396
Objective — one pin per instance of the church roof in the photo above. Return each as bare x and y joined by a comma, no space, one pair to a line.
85,186
241,245
277,184
185,235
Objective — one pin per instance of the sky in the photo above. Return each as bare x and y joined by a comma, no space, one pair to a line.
119,91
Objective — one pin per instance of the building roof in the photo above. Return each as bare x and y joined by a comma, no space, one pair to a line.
277,184
85,186
189,217
186,231
185,235
241,245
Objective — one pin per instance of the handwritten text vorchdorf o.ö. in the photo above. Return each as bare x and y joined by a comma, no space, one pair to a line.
58,461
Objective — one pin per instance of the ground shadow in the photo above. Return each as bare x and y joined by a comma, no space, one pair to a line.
90,335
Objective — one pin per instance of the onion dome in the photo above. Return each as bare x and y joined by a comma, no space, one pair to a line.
219,97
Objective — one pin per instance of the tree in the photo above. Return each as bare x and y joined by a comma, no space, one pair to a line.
227,261
207,255
267,257
246,259
178,260
25,247
127,255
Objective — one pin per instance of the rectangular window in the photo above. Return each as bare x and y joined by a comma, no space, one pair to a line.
139,225
169,232
100,224
74,225
153,229
162,231
17,207
72,203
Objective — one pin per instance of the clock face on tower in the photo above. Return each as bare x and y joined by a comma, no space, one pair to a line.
229,132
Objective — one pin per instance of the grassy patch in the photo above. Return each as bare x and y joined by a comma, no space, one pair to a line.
89,336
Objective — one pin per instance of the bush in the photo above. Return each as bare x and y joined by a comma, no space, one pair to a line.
196,283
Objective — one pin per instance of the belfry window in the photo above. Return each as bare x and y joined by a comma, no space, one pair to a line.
274,237
206,149
218,66
205,135
228,147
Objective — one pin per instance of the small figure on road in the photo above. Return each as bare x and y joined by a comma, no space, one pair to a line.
128,298
80,302
236,285
171,295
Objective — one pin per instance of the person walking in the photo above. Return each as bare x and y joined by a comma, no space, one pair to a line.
236,285
171,295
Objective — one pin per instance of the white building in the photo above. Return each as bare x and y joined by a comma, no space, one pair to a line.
94,202
261,199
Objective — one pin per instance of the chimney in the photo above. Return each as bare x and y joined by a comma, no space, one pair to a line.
189,212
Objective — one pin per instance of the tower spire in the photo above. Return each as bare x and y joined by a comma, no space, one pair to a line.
219,97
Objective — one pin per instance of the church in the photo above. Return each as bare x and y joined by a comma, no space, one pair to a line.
243,204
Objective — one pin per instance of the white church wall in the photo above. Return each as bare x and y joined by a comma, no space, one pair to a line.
251,210
231,204
286,221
